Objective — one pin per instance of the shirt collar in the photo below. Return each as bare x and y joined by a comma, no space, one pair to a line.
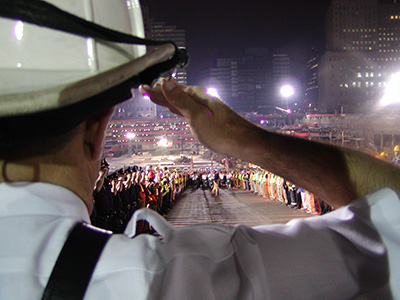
25,198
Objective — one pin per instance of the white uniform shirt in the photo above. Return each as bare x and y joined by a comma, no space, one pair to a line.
328,257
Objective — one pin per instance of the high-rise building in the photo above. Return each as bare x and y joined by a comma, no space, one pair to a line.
280,69
310,102
255,78
224,77
141,106
389,28
363,39
161,31
352,25
249,83
280,76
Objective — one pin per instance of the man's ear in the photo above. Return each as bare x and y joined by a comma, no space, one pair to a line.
95,131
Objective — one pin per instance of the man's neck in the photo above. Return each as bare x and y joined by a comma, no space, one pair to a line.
65,175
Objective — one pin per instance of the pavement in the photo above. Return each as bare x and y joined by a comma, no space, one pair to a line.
230,207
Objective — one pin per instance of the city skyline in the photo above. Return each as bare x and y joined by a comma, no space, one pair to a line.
224,29
360,57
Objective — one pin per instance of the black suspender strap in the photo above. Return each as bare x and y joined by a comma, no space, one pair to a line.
75,264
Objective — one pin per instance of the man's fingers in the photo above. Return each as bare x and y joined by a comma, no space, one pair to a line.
179,99
182,99
157,97
155,94
173,93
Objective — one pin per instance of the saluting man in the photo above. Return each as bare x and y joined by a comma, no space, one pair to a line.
57,93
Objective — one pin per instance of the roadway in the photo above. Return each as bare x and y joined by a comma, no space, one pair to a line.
230,207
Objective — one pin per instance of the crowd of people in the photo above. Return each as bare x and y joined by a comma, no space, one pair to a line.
263,183
118,195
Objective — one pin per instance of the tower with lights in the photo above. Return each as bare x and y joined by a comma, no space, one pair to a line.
363,53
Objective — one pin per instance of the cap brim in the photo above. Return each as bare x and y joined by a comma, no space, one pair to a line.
61,96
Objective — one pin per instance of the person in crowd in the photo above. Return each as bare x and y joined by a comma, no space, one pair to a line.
141,188
47,184
204,180
246,180
119,217
299,198
272,186
210,179
291,194
383,155
264,184
214,175
222,176
267,185
152,191
103,199
196,180
229,179
252,181
165,194
396,158
123,186
129,185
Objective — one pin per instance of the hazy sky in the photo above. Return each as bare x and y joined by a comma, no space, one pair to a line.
225,28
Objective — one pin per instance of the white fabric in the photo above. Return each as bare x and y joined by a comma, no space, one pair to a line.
336,256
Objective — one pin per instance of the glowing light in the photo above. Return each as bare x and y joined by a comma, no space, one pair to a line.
146,96
392,94
163,142
130,135
262,122
287,91
91,53
19,30
213,92
289,111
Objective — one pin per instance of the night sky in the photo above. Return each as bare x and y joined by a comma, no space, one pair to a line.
224,28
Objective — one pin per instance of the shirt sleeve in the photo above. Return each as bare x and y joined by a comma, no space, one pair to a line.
340,255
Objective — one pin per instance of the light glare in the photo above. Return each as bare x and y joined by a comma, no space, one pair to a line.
130,135
19,30
213,92
392,94
90,53
163,142
287,91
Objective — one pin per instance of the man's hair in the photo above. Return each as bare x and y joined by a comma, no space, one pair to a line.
36,135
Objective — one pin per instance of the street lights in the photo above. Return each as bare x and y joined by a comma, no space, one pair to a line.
131,136
287,91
